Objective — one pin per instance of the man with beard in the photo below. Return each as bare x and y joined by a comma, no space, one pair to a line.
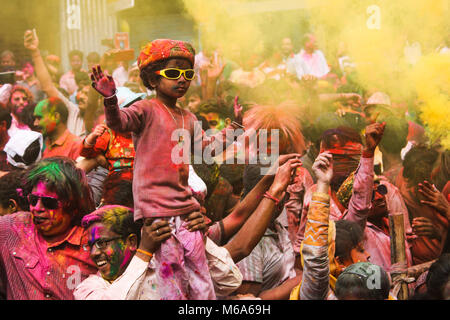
51,120
75,121
20,99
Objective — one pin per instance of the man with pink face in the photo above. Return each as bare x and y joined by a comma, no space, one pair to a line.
44,252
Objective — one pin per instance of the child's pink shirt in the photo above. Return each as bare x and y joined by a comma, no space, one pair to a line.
160,187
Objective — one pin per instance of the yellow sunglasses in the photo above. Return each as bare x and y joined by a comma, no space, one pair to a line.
174,73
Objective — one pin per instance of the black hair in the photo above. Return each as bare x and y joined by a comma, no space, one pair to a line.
418,164
438,275
348,236
117,191
251,176
5,115
214,105
148,74
61,175
234,174
10,188
356,282
395,134
82,78
74,53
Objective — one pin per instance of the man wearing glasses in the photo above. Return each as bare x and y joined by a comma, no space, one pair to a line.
44,253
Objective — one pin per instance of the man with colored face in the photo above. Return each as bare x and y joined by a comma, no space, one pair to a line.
77,107
124,259
44,252
51,120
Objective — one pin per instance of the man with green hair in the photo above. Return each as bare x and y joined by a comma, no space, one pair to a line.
44,252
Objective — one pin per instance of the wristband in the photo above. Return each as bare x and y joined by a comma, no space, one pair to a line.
237,124
88,144
268,196
145,252
111,96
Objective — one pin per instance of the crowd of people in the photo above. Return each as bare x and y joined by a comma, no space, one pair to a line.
94,207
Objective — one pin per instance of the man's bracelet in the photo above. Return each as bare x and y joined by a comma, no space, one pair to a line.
268,196
106,98
88,144
237,124
145,252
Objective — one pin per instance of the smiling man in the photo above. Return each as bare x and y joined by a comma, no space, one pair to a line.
126,270
44,252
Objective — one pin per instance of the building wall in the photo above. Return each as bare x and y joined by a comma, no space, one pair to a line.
84,24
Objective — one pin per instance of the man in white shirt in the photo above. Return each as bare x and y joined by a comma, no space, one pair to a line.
75,121
126,268
310,60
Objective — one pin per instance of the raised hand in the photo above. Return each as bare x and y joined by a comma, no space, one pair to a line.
434,198
374,133
30,40
104,84
282,159
98,131
237,110
284,175
323,167
215,70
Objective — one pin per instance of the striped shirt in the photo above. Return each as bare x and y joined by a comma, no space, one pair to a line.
272,260
32,269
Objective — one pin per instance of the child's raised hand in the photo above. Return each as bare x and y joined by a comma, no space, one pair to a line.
104,84
237,110
97,132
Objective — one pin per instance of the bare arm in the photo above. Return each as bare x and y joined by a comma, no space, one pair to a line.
31,42
234,221
254,228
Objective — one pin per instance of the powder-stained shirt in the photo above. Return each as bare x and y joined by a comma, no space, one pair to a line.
75,122
376,242
160,186
272,260
32,269
138,282
117,148
67,145
68,83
